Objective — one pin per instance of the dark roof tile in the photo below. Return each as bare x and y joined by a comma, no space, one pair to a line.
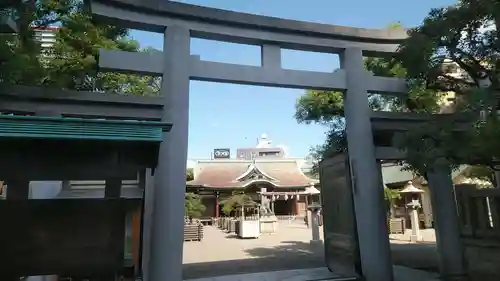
225,173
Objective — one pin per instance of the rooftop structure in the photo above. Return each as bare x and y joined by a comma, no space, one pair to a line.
453,70
264,148
227,174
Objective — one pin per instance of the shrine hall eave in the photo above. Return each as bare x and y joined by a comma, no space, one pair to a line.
241,174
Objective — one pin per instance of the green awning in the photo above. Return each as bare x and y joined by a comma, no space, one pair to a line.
36,127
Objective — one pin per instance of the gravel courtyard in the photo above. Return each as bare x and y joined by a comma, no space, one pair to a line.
221,253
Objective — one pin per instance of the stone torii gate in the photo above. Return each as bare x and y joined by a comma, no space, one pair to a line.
179,22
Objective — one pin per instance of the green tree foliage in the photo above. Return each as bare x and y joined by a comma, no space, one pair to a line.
19,62
465,36
237,201
72,62
480,172
193,207
189,174
74,57
327,107
390,197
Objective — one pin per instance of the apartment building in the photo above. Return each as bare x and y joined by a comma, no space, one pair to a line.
447,102
46,36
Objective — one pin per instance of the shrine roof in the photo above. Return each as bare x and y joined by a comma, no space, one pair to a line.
229,173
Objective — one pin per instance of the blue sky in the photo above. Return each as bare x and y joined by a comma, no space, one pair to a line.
232,116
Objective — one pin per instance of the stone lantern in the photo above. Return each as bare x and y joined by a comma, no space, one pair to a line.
413,193
313,210
310,192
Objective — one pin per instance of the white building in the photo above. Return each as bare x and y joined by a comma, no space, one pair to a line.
46,36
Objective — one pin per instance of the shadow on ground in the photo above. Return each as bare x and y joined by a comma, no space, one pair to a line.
287,255
422,256
299,255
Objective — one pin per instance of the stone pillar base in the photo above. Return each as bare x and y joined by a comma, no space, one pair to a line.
316,243
415,238
309,218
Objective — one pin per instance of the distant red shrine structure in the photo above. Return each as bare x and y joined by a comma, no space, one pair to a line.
263,172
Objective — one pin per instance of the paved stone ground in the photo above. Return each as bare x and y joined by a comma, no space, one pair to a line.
421,255
428,236
318,274
224,254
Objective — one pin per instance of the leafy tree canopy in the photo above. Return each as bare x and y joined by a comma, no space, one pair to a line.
72,62
480,172
460,39
464,36
390,198
193,207
327,107
189,174
237,201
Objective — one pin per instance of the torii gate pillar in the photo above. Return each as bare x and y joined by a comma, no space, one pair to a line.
366,179
165,260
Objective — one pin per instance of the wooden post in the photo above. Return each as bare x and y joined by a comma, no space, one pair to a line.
297,206
142,185
136,238
113,188
217,211
18,189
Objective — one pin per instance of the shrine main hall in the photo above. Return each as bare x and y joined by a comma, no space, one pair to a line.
263,171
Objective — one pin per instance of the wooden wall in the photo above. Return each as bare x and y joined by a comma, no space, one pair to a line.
66,237
479,212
